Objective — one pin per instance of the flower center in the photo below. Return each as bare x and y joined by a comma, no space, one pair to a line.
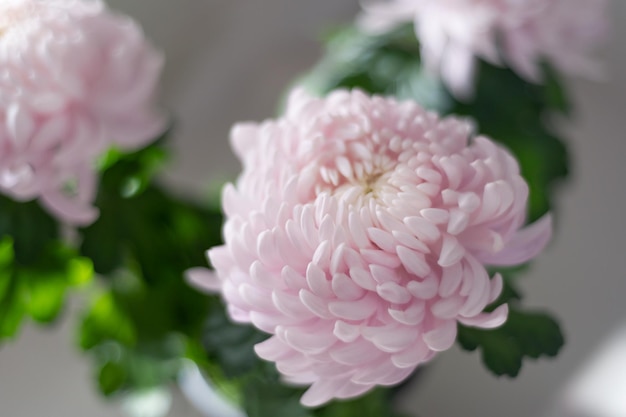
370,183
363,190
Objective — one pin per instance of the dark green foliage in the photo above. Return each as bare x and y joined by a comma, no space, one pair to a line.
105,322
141,244
31,228
38,289
231,345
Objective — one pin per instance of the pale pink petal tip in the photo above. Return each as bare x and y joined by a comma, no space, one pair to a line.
96,81
203,279
524,245
488,320
357,236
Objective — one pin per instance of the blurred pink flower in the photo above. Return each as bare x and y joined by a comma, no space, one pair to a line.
357,236
75,79
520,33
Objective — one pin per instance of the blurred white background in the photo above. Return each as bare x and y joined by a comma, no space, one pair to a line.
229,60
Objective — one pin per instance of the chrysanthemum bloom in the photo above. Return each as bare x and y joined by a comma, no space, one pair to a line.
518,34
75,79
358,234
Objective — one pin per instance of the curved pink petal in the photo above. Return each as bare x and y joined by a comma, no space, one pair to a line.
203,279
525,244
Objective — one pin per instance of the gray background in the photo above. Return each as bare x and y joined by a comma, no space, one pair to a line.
229,61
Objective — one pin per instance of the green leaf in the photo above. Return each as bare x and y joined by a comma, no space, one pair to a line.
386,64
524,335
6,265
49,280
141,245
147,223
111,378
79,271
105,322
6,252
37,289
12,307
46,292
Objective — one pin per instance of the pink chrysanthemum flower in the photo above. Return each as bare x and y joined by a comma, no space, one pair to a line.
520,33
358,234
75,79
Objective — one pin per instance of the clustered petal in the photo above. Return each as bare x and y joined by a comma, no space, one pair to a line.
520,34
75,79
357,236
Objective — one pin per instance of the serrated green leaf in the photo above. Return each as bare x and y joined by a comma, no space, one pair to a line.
524,335
500,353
538,334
